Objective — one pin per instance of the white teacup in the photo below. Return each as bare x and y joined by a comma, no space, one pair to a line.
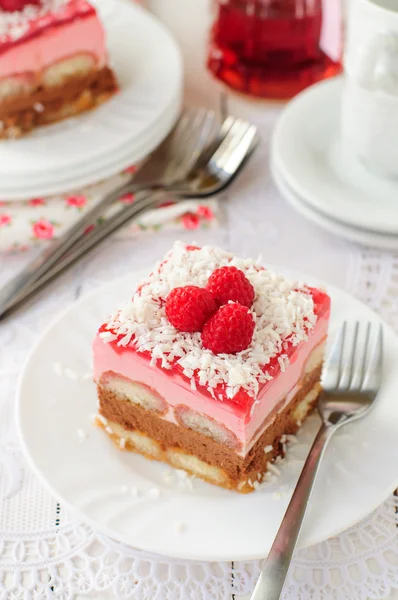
370,96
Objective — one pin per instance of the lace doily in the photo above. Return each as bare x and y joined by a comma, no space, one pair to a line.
46,552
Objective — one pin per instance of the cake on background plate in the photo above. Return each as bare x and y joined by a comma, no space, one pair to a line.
53,63
213,361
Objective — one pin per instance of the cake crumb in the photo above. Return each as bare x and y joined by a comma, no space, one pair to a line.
70,373
38,107
274,470
167,476
291,439
81,434
57,368
87,376
179,527
103,420
122,443
268,448
298,423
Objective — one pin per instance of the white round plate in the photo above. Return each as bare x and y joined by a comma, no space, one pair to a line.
360,236
100,170
148,65
306,149
94,478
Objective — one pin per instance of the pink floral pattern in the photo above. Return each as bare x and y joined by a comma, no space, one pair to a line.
37,202
127,199
190,221
205,212
29,223
77,201
43,229
131,169
5,220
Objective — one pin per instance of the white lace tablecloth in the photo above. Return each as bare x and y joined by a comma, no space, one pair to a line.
44,551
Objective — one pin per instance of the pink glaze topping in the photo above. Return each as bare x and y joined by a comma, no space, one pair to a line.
44,38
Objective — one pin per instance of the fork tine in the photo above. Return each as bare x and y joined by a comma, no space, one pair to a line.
332,369
238,144
200,141
212,148
228,144
240,150
373,373
185,141
181,138
359,373
348,362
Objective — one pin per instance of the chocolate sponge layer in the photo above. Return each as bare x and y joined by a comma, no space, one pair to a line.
171,438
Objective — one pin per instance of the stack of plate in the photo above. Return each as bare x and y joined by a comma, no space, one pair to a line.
121,132
322,181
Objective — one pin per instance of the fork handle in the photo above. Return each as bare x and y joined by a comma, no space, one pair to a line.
144,202
35,269
273,575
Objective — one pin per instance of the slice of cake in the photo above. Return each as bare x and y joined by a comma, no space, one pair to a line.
53,63
213,361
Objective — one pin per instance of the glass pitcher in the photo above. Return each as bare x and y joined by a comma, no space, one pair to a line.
275,48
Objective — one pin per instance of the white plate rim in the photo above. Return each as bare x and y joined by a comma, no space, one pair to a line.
190,554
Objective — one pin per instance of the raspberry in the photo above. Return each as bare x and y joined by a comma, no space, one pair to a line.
16,5
230,284
187,308
229,330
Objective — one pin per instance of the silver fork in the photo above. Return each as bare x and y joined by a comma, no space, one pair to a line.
168,166
351,379
214,169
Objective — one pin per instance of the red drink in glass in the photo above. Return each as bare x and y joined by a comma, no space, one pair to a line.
271,48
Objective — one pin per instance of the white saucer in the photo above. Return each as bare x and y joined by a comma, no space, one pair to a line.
353,234
95,479
148,65
306,150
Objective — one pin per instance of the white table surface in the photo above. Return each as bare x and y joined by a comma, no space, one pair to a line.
256,219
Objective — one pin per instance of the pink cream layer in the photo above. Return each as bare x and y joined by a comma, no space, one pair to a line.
176,391
81,36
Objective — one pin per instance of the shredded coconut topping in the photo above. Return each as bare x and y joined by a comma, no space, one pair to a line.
283,312
15,25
